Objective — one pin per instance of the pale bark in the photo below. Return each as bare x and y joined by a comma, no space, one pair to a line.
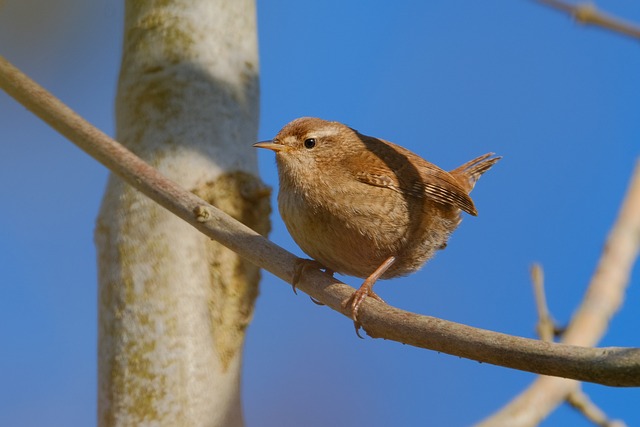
173,305
613,366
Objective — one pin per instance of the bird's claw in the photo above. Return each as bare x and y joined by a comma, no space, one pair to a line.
301,265
315,301
355,301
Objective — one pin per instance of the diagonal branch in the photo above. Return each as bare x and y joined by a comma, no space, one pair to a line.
579,400
588,14
603,298
609,366
546,329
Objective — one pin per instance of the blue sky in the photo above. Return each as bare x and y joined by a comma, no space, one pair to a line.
447,79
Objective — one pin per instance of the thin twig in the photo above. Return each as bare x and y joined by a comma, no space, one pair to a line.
546,325
610,366
603,299
577,399
588,14
581,402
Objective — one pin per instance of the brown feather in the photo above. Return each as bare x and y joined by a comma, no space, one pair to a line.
468,173
387,166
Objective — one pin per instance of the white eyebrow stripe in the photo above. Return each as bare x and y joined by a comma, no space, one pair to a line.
322,133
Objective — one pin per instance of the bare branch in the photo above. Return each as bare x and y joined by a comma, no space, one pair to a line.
603,298
546,326
581,402
609,366
588,14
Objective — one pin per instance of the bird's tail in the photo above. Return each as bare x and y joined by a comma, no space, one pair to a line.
469,173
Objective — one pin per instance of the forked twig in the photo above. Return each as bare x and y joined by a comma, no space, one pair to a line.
546,329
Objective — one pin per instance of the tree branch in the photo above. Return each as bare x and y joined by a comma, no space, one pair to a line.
609,366
581,403
546,329
603,298
588,14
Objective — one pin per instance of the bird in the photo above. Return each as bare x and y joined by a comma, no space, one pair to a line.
363,206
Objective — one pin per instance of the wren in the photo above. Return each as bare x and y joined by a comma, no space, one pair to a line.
365,207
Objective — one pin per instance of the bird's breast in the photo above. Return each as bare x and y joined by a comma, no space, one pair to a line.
353,232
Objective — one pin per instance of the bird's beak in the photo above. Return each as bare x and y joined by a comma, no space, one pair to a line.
269,145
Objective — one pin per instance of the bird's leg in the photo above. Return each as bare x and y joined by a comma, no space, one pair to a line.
367,290
301,265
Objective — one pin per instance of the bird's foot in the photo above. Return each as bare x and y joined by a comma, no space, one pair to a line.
354,302
366,290
301,265
357,298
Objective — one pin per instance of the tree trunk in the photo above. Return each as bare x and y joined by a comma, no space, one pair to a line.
173,305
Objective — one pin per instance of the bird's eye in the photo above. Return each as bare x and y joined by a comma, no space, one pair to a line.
309,143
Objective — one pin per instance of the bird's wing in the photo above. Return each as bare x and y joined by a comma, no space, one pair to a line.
385,164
